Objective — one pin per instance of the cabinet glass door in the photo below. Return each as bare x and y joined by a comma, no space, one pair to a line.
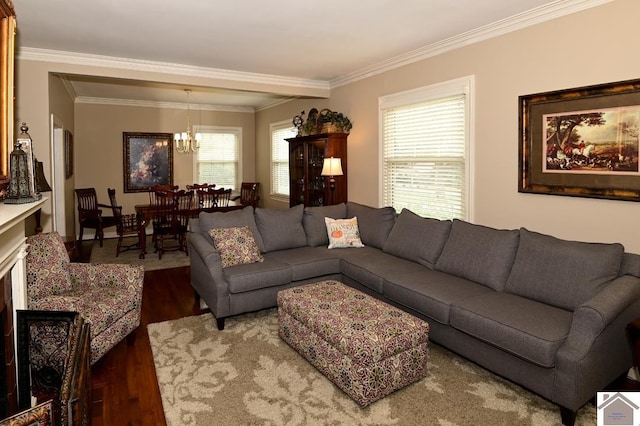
297,163
315,185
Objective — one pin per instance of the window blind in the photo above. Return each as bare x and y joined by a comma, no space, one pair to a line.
424,151
280,158
218,159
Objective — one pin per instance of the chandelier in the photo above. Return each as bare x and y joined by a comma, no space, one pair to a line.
185,141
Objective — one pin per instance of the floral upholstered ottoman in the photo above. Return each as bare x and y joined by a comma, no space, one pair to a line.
365,346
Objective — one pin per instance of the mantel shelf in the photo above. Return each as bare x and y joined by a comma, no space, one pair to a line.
11,214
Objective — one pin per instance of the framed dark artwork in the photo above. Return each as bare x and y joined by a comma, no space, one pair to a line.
68,154
148,160
581,142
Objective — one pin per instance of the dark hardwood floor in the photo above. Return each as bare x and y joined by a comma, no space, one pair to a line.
124,388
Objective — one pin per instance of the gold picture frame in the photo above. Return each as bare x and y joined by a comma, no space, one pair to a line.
148,160
581,142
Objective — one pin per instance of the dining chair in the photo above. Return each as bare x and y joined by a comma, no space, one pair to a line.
128,226
90,214
214,198
155,188
172,211
199,187
249,194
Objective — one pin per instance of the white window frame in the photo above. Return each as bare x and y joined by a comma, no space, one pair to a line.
463,85
273,127
220,129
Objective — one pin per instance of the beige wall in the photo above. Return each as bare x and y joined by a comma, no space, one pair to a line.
590,47
99,144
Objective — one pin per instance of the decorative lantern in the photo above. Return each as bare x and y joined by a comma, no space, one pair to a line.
22,182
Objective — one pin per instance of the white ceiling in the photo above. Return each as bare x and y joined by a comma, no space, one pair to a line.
321,41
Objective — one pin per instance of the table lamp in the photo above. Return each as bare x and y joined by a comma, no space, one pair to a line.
332,167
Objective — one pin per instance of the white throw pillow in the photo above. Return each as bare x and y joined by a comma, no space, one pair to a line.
343,233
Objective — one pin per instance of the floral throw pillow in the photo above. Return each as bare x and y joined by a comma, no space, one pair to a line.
235,245
343,233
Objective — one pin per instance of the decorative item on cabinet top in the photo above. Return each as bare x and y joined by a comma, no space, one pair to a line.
325,121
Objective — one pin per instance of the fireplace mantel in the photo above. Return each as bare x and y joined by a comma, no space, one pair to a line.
12,230
13,277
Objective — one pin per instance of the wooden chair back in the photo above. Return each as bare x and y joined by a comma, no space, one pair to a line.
214,198
199,187
155,188
249,194
87,203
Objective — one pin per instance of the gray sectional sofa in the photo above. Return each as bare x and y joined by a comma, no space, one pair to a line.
546,313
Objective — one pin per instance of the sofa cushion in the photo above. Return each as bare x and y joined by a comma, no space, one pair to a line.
314,225
479,253
370,267
531,330
231,219
256,276
416,238
430,292
307,262
375,223
236,246
343,233
281,228
562,273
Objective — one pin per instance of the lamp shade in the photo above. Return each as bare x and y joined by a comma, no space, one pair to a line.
41,181
332,167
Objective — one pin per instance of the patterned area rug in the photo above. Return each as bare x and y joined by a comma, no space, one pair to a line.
107,254
247,375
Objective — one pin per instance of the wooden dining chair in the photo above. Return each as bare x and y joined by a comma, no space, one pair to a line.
172,211
199,187
90,215
214,198
155,188
249,194
128,226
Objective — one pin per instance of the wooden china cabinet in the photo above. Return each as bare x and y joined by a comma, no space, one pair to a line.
306,156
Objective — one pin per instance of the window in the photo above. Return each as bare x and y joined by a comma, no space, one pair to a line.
218,159
425,149
280,158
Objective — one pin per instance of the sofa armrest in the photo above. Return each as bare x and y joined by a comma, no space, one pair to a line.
207,252
129,277
596,350
207,277
591,318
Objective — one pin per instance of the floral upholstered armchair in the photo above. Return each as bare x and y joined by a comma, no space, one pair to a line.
108,297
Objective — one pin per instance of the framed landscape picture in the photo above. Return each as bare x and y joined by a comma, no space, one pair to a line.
581,142
148,160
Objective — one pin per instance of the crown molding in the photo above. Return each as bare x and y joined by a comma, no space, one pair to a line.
74,58
532,17
523,20
157,104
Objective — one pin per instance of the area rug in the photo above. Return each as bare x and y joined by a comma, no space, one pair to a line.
107,254
246,375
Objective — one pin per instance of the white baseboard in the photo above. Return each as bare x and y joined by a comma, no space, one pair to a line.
633,374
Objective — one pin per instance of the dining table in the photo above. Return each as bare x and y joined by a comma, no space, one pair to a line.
146,213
